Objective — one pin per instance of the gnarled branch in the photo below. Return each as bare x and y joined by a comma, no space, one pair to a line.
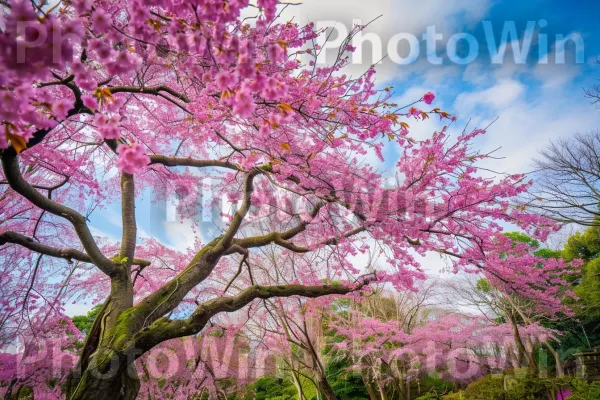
165,329
68,254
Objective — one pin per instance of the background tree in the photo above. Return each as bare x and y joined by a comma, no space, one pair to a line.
584,333
504,305
568,180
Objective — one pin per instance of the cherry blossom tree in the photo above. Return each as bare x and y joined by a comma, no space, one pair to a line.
459,347
103,101
502,301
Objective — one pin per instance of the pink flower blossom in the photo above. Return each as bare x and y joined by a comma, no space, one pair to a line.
61,107
102,50
414,112
225,80
90,101
259,82
428,97
84,77
123,62
245,68
3,141
108,127
243,105
83,6
273,89
101,21
132,158
276,53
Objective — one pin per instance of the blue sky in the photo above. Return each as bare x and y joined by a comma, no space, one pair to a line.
534,103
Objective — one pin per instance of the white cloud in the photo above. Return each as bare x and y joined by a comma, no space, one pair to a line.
397,16
525,128
555,75
99,233
181,236
503,93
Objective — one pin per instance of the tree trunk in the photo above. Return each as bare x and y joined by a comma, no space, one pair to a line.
108,376
121,387
369,386
560,372
522,351
326,388
382,391
103,371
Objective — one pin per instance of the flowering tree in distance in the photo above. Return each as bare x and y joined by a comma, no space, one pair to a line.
105,100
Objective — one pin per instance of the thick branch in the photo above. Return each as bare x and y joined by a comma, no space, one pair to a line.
165,329
170,295
190,162
154,90
240,214
128,216
27,242
279,238
68,254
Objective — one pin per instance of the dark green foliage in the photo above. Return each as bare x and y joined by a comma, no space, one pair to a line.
346,385
531,388
429,396
586,391
433,385
271,388
493,387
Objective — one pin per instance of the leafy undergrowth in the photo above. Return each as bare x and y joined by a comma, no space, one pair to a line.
506,387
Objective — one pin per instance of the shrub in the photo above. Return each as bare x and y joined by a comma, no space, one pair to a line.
435,385
271,388
586,391
454,396
530,388
519,387
429,396
490,387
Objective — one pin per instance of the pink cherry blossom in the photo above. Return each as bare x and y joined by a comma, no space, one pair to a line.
61,107
244,104
276,53
428,97
108,126
245,68
132,158
225,80
101,21
90,101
